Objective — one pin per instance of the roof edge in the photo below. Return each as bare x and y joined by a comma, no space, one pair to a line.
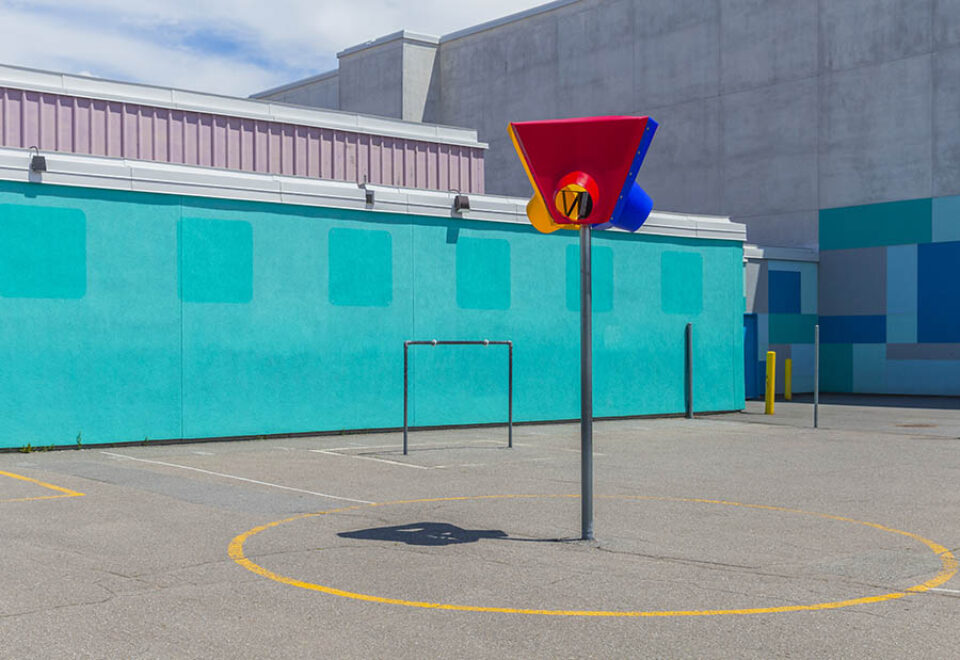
98,172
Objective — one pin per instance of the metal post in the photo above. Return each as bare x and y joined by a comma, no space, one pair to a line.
406,350
586,388
510,398
688,380
816,375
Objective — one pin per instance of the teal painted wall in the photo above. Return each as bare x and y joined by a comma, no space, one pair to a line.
889,297
130,315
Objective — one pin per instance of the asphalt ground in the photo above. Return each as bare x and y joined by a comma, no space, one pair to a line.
731,536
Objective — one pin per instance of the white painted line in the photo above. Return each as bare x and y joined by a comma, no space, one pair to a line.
203,453
370,458
233,476
949,591
573,451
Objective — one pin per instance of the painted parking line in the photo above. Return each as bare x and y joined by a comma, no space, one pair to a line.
64,492
371,458
949,591
331,452
236,478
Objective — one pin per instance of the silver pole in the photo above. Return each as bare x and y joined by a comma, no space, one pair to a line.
816,375
510,397
406,350
688,376
586,388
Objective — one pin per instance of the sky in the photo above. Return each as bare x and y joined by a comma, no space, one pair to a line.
233,47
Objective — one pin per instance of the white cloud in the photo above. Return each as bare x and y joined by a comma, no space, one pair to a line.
222,46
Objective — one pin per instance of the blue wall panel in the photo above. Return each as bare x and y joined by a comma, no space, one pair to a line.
273,334
853,329
938,305
784,292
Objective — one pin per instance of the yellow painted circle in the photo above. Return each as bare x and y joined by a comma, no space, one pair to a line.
947,561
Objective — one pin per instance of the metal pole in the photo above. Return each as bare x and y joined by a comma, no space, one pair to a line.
816,375
406,349
586,388
510,399
688,381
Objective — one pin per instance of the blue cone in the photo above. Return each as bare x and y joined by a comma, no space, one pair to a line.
636,210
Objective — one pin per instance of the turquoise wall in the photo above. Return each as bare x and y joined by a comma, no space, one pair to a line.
128,316
889,297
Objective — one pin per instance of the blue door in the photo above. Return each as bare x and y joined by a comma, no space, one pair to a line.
750,357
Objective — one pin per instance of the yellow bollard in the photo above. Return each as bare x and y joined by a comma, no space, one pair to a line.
788,379
771,381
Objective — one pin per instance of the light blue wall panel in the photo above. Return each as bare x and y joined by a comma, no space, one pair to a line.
483,273
868,368
297,342
946,219
902,294
939,377
601,265
105,365
802,356
763,334
291,359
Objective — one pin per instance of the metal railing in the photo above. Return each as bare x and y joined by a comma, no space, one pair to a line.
434,342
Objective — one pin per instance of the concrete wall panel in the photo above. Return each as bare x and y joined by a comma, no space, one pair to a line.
677,54
946,111
592,80
795,229
682,171
876,133
946,23
865,32
766,41
371,80
768,149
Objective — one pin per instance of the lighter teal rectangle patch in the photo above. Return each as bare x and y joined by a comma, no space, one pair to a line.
43,252
216,261
792,328
360,267
681,283
902,328
601,263
946,219
902,279
869,368
483,273
874,225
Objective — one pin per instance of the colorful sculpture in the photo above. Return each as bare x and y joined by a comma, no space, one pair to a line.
583,171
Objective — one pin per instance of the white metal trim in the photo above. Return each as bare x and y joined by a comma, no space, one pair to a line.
164,178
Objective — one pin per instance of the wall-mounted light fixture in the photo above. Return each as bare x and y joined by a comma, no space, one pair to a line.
461,203
38,163
368,195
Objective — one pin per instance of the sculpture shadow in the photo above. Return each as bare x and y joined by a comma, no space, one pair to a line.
424,533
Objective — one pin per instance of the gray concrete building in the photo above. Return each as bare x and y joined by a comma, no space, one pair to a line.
830,128
770,109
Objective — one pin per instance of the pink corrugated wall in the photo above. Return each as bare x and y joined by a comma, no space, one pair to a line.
55,122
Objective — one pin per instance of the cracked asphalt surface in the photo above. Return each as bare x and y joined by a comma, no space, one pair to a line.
694,518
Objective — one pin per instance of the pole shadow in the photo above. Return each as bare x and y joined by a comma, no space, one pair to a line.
434,534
